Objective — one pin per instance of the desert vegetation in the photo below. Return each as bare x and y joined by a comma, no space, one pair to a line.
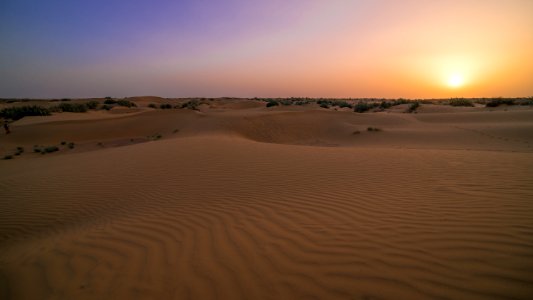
17,113
460,102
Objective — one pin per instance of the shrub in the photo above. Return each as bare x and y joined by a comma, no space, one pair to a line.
375,129
151,105
20,112
356,132
499,101
106,107
192,104
324,105
126,103
271,103
108,100
361,107
70,145
461,102
413,107
8,157
65,99
92,104
50,149
72,107
165,106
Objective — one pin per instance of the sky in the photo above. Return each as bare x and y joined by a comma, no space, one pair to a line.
257,48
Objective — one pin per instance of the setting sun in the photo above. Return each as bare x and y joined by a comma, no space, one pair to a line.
455,81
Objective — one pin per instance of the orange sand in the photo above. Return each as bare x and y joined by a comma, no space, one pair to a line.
238,201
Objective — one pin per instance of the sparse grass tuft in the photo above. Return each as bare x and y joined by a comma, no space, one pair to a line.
8,157
374,129
70,145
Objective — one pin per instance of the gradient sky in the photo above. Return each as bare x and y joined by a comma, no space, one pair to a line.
275,48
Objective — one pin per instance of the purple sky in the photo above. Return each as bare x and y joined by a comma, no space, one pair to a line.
261,48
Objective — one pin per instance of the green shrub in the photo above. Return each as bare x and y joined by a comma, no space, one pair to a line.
192,104
20,112
72,107
110,101
92,104
413,107
499,101
461,102
107,106
50,149
125,103
271,103
361,107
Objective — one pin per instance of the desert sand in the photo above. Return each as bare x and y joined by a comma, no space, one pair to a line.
239,201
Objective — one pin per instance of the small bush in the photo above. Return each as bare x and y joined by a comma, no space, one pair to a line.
499,101
375,129
271,103
50,149
20,112
65,99
356,132
70,145
8,157
63,143
192,104
109,101
165,106
413,107
361,107
106,107
20,149
151,105
92,104
461,102
126,103
72,107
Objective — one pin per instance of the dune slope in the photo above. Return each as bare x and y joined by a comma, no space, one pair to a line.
222,216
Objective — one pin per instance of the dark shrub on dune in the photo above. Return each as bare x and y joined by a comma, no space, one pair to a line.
461,102
499,101
361,107
110,101
192,104
151,105
72,107
8,157
413,107
271,103
126,103
165,106
92,104
20,112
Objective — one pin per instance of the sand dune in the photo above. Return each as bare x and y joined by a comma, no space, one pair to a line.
269,204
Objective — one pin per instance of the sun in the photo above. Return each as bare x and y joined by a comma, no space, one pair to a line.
455,81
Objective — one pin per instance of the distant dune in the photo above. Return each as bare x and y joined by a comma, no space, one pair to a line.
234,200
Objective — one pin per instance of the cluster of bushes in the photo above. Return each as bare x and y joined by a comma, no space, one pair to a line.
45,149
16,113
327,103
165,106
460,102
191,104
361,107
271,103
499,101
70,107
